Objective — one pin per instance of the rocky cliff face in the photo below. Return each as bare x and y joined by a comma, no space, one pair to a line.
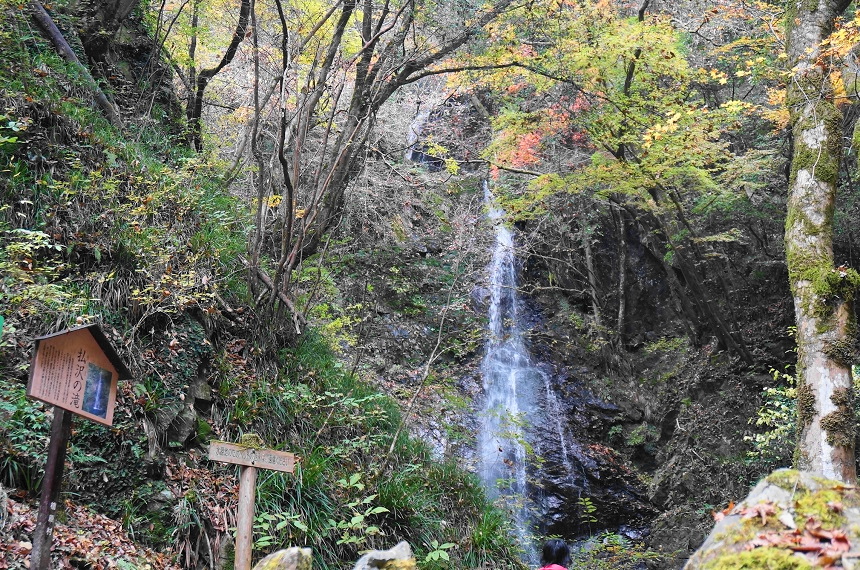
674,409
659,410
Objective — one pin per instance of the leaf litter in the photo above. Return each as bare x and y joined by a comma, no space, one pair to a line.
99,542
822,547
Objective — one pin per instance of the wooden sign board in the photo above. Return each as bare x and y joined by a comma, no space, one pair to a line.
251,459
77,370
251,456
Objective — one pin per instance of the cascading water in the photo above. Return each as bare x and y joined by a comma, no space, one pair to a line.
515,388
414,133
501,442
556,414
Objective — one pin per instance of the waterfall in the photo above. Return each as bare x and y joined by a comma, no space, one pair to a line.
519,400
555,418
511,383
415,127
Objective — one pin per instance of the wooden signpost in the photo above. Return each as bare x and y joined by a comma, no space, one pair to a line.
77,371
251,457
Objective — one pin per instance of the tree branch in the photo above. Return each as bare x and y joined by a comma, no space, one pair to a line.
515,170
298,319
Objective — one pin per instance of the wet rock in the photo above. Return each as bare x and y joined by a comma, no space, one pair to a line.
480,297
679,530
200,393
633,533
383,309
578,474
398,332
157,501
183,426
670,482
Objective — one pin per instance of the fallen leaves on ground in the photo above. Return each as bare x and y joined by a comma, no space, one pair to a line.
720,515
761,510
84,537
820,546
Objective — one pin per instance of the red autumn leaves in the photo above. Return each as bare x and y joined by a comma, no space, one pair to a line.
821,547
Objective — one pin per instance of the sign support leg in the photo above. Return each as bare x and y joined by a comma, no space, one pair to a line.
245,517
40,556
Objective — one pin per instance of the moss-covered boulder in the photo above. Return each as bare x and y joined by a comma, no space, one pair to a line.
790,521
290,559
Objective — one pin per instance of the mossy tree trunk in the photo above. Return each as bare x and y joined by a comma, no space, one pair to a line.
822,311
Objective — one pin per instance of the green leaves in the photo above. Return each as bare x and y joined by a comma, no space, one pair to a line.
438,551
777,420
613,88
356,530
587,510
269,525
353,483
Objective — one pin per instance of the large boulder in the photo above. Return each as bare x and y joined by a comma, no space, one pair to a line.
790,520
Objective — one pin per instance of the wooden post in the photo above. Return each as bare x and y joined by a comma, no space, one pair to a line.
251,458
245,518
40,556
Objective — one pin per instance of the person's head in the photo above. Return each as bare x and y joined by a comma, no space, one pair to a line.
555,551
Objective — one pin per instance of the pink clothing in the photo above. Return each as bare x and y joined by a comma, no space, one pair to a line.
553,567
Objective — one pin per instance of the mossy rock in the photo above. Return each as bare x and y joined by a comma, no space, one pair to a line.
757,532
251,440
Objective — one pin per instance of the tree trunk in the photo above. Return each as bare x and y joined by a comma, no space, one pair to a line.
195,110
46,23
592,278
323,136
192,58
821,291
